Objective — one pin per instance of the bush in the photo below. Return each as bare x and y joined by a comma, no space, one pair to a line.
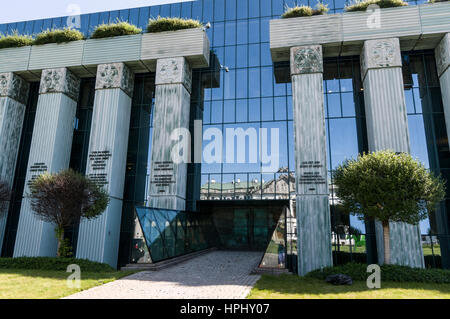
115,30
362,5
58,36
15,41
50,263
305,11
172,24
396,273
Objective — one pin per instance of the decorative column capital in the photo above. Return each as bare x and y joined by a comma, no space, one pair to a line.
442,52
115,76
306,59
174,71
60,81
380,53
13,86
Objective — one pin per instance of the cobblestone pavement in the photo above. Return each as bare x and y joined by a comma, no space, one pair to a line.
216,275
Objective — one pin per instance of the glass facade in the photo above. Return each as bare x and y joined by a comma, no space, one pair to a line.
169,233
247,96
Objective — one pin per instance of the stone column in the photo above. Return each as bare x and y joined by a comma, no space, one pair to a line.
443,67
387,129
313,209
98,240
50,152
171,112
13,99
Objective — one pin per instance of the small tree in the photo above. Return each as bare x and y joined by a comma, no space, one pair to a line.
389,187
5,195
63,199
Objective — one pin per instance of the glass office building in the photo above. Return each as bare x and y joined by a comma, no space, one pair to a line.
251,92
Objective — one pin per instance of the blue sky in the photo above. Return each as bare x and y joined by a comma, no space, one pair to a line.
23,10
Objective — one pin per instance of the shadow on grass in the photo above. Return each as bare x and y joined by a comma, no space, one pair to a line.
292,286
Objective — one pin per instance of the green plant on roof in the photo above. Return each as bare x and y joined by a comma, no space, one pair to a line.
359,5
15,40
172,24
116,29
305,11
435,1
58,36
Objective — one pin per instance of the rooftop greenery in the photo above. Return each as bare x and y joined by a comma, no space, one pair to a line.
172,24
58,36
305,11
115,29
15,41
359,5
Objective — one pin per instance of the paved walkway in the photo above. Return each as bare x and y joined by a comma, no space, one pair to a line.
216,275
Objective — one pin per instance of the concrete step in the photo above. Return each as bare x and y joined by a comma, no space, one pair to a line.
166,263
271,271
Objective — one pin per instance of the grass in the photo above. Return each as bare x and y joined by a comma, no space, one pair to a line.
58,36
294,287
304,11
114,30
363,5
48,284
15,41
172,24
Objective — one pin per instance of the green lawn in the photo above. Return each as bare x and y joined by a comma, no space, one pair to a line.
294,287
46,284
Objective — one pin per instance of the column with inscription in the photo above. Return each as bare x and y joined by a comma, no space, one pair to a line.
442,53
172,109
13,98
387,129
98,239
50,152
313,210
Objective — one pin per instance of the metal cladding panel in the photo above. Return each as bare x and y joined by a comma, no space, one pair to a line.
435,17
14,59
50,148
314,236
386,117
286,33
445,91
11,122
387,128
190,43
394,22
309,131
98,240
405,244
172,109
109,50
54,55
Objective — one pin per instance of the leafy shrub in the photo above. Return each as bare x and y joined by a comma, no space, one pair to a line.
172,24
343,257
15,41
362,5
58,36
397,273
115,30
50,263
305,11
435,1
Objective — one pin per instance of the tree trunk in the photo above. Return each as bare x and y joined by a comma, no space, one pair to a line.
60,232
387,246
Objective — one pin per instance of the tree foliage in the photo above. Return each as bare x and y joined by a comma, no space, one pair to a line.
64,198
389,187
